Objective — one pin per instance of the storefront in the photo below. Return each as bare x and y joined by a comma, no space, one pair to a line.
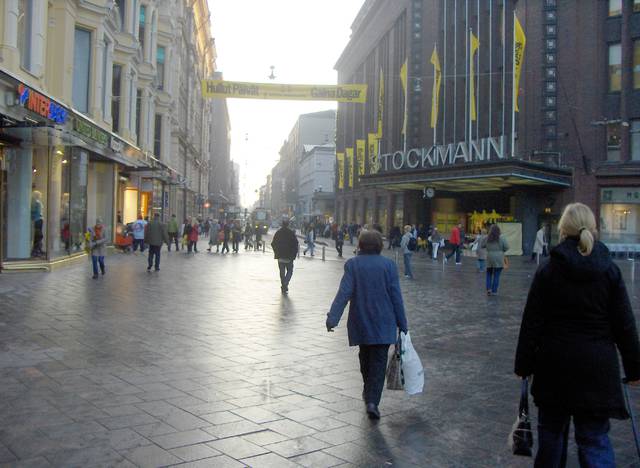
620,218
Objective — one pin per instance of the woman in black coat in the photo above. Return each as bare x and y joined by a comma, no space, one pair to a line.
577,313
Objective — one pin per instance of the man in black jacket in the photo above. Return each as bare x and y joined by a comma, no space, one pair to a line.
285,250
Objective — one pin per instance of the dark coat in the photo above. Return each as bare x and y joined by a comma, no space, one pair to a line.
577,313
285,244
370,284
156,234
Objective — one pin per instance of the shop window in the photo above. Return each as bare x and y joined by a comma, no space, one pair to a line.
81,69
620,215
615,67
635,140
160,57
157,136
141,21
25,32
116,87
100,189
613,142
615,7
636,64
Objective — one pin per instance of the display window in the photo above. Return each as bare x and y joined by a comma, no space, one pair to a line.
620,215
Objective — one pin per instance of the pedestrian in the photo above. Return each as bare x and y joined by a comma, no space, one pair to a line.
97,245
394,237
407,252
194,235
310,241
173,233
285,249
577,313
436,241
186,232
236,235
155,235
214,236
138,233
496,246
455,240
481,252
539,245
248,236
376,311
226,237
339,242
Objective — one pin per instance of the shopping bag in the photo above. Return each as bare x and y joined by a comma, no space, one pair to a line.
521,437
412,370
634,426
394,371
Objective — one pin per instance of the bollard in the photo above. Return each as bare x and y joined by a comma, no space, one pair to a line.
633,271
264,247
323,253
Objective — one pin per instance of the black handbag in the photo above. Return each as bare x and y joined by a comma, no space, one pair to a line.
394,370
521,437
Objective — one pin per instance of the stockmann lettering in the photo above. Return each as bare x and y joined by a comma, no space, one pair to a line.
484,149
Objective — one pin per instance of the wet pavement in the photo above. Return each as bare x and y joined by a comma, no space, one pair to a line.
205,364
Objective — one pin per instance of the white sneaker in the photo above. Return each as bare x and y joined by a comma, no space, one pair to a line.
458,263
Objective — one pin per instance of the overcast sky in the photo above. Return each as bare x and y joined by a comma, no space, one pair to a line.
303,40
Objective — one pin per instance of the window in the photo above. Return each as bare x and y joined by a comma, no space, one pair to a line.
81,69
636,6
157,136
613,142
635,140
615,68
138,104
25,30
116,85
160,56
105,85
143,12
636,64
615,7
121,9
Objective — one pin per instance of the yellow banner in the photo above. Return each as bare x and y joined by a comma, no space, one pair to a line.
437,80
472,81
380,104
340,162
520,40
403,81
351,165
372,143
360,155
294,92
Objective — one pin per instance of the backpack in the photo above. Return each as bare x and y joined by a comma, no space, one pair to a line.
413,244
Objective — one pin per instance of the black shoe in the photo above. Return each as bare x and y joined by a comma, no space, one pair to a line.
284,290
372,411
148,268
157,269
95,276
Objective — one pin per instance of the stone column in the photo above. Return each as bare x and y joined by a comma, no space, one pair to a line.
144,120
125,102
108,81
9,50
97,97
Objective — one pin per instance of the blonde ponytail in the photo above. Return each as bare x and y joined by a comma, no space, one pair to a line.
578,221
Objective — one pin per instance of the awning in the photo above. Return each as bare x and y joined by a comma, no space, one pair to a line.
479,177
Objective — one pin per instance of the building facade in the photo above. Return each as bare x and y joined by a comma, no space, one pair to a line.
317,173
220,158
95,95
572,137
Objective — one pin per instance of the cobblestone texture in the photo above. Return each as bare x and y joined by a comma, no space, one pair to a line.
205,364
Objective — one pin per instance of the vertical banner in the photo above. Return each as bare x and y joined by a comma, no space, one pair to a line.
380,104
340,162
437,80
474,44
351,165
519,42
360,156
372,144
403,81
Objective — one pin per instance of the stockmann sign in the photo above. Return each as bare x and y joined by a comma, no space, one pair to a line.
484,149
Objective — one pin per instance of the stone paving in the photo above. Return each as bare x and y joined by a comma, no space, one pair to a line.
205,364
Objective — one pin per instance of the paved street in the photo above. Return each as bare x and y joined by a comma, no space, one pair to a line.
205,364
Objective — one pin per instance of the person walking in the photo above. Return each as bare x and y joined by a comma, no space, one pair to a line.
376,311
194,235
339,241
226,237
285,250
173,233
481,252
248,235
138,233
214,239
97,246
236,236
539,245
310,241
436,242
155,235
496,246
577,313
405,244
455,239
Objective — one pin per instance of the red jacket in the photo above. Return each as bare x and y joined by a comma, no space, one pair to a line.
193,235
455,236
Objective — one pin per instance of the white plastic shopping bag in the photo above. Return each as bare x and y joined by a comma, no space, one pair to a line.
412,369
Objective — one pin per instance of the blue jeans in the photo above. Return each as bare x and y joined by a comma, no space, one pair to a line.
154,251
493,279
138,242
481,264
95,260
286,272
407,265
594,447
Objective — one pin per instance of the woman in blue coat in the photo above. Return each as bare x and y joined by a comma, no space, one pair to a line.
376,311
